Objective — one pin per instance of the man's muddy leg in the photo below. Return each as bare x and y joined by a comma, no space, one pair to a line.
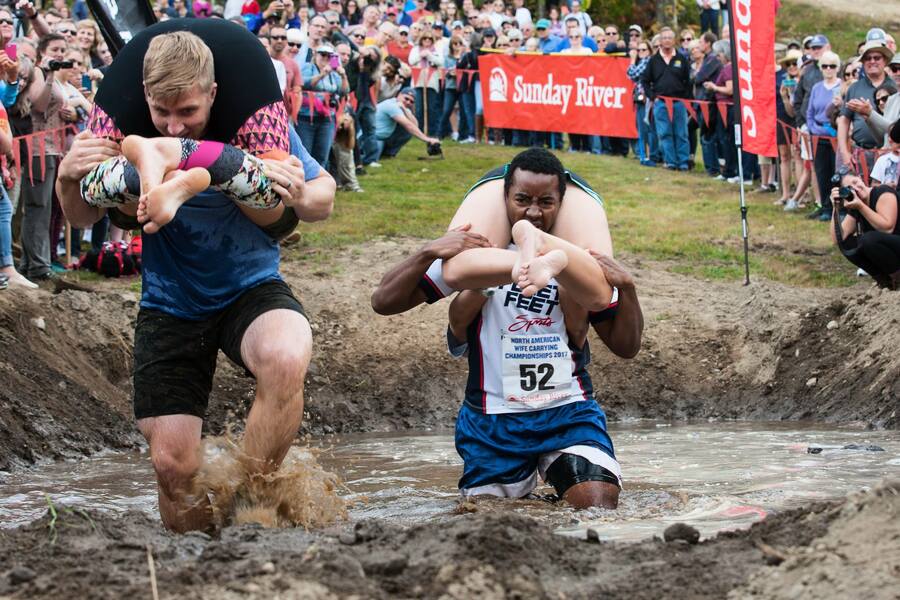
276,348
175,451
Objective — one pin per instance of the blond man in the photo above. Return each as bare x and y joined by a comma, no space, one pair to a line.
210,272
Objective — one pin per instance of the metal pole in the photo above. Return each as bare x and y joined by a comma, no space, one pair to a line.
738,141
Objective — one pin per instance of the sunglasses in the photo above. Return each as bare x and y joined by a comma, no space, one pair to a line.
881,99
6,21
848,74
401,33
612,33
68,32
872,58
634,34
687,39
294,44
277,37
828,66
895,68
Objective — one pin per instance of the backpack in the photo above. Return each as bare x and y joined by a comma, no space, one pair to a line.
113,259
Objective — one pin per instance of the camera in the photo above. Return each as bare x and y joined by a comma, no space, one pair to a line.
845,193
434,149
56,65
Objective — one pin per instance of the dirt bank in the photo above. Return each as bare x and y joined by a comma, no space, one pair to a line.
494,555
766,351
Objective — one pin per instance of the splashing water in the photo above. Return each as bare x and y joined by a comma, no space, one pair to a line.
299,494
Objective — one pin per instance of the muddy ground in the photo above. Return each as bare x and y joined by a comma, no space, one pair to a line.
722,350
843,550
710,350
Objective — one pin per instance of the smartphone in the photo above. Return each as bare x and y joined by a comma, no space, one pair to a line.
86,81
11,51
334,61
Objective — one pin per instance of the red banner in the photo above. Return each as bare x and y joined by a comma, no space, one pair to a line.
573,94
753,23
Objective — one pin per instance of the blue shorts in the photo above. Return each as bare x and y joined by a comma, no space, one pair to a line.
504,453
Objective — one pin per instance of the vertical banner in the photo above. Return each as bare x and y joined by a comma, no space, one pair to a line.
589,94
754,39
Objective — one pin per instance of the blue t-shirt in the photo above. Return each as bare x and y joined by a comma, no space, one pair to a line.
384,117
210,253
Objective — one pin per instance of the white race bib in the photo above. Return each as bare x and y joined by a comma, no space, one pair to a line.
537,370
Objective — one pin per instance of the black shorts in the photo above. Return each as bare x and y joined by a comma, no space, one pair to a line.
175,359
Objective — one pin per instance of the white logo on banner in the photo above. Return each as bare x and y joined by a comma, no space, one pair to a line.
497,85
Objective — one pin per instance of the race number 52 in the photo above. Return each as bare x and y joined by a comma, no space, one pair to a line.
535,377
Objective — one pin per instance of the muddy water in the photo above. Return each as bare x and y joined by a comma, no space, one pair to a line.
716,476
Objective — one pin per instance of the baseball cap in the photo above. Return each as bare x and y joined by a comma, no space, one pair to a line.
325,49
876,34
514,34
542,24
295,36
403,29
457,25
807,40
437,25
636,28
793,44
407,91
818,41
488,32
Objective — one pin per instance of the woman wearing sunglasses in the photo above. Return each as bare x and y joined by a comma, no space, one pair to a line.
823,96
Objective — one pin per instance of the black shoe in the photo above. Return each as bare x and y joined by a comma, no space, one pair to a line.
361,171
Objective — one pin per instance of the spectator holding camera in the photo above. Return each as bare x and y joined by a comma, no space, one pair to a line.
47,97
870,233
315,124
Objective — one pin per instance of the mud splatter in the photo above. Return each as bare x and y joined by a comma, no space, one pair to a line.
299,494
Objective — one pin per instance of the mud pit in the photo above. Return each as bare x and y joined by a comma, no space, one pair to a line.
710,350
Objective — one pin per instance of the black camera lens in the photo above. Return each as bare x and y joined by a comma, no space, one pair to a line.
845,193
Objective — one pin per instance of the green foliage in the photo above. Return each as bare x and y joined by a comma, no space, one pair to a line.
797,20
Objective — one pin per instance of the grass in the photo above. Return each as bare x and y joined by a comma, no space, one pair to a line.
688,222
797,20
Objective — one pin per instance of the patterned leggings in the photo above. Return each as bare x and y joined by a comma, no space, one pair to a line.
238,175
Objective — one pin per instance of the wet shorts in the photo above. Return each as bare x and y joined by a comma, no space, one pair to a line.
175,359
503,454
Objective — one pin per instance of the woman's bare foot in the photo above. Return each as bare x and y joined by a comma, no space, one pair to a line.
535,275
159,206
527,238
152,158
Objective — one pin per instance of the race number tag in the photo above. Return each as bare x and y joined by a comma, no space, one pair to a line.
537,370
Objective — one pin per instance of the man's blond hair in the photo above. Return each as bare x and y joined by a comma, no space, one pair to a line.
175,63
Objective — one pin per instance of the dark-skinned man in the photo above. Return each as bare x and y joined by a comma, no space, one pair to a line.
529,405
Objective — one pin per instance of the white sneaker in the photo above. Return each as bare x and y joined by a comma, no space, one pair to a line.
861,273
468,140
734,179
454,136
719,177
374,165
790,205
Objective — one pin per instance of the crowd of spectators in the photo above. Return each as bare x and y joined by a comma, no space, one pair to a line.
361,79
